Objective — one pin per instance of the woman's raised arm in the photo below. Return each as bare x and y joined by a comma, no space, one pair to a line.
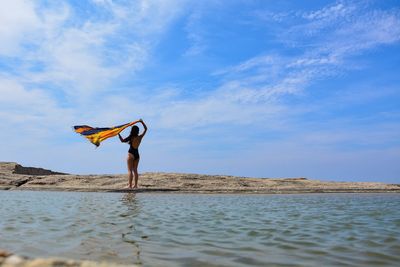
144,126
123,140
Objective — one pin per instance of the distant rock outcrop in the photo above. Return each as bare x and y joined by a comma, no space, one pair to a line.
18,169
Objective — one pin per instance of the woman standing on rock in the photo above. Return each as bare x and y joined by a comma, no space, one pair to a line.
134,139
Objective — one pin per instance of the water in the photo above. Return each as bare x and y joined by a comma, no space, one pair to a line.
197,230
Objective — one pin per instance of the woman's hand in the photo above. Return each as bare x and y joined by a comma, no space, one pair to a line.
120,138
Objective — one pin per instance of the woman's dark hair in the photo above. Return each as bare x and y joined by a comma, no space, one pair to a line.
134,131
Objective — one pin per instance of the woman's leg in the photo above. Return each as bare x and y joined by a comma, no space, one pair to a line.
130,162
135,171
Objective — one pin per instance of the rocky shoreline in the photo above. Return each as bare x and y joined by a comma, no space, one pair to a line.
8,259
16,177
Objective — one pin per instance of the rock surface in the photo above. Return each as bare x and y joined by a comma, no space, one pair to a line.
7,259
12,179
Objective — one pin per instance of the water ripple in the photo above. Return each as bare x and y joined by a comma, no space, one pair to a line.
198,230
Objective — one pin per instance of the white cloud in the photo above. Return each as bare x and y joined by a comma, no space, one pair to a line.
17,21
30,111
75,57
251,64
367,31
332,12
195,34
78,55
346,30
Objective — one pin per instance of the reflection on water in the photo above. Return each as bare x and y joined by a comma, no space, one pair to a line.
131,202
196,229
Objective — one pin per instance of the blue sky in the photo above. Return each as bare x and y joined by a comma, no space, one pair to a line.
248,88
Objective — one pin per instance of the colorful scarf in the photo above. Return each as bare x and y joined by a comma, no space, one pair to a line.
97,135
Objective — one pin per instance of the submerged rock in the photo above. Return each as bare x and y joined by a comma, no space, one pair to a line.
4,253
17,261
